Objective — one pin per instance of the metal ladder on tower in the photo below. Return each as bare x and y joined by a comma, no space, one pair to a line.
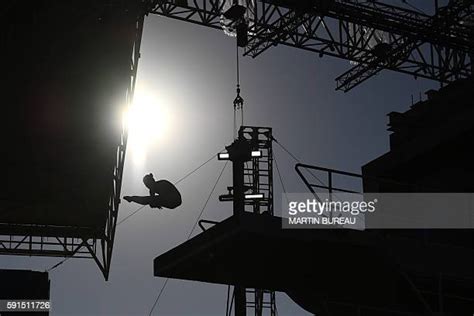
258,171
263,302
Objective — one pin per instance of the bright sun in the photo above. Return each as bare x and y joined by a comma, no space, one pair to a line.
148,122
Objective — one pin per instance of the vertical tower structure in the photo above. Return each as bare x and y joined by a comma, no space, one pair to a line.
252,191
258,172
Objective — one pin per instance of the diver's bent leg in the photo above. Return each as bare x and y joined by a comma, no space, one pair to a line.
143,200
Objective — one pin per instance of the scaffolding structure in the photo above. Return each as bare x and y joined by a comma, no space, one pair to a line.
76,240
371,35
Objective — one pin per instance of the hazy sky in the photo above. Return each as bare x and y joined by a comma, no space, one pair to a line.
191,72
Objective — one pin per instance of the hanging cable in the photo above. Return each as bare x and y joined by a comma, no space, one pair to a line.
57,264
190,233
159,296
207,200
284,148
238,101
238,85
296,159
196,169
130,215
234,131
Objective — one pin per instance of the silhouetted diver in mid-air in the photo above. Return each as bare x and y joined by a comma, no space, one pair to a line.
162,194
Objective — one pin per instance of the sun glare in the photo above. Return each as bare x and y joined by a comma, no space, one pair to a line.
148,122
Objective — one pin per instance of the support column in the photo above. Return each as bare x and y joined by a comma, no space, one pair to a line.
239,152
238,185
240,301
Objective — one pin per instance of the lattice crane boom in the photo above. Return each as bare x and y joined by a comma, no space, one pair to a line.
372,35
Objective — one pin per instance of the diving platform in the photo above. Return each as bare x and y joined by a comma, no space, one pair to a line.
253,251
347,270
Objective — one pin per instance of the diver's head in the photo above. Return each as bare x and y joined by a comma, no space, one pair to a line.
148,180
